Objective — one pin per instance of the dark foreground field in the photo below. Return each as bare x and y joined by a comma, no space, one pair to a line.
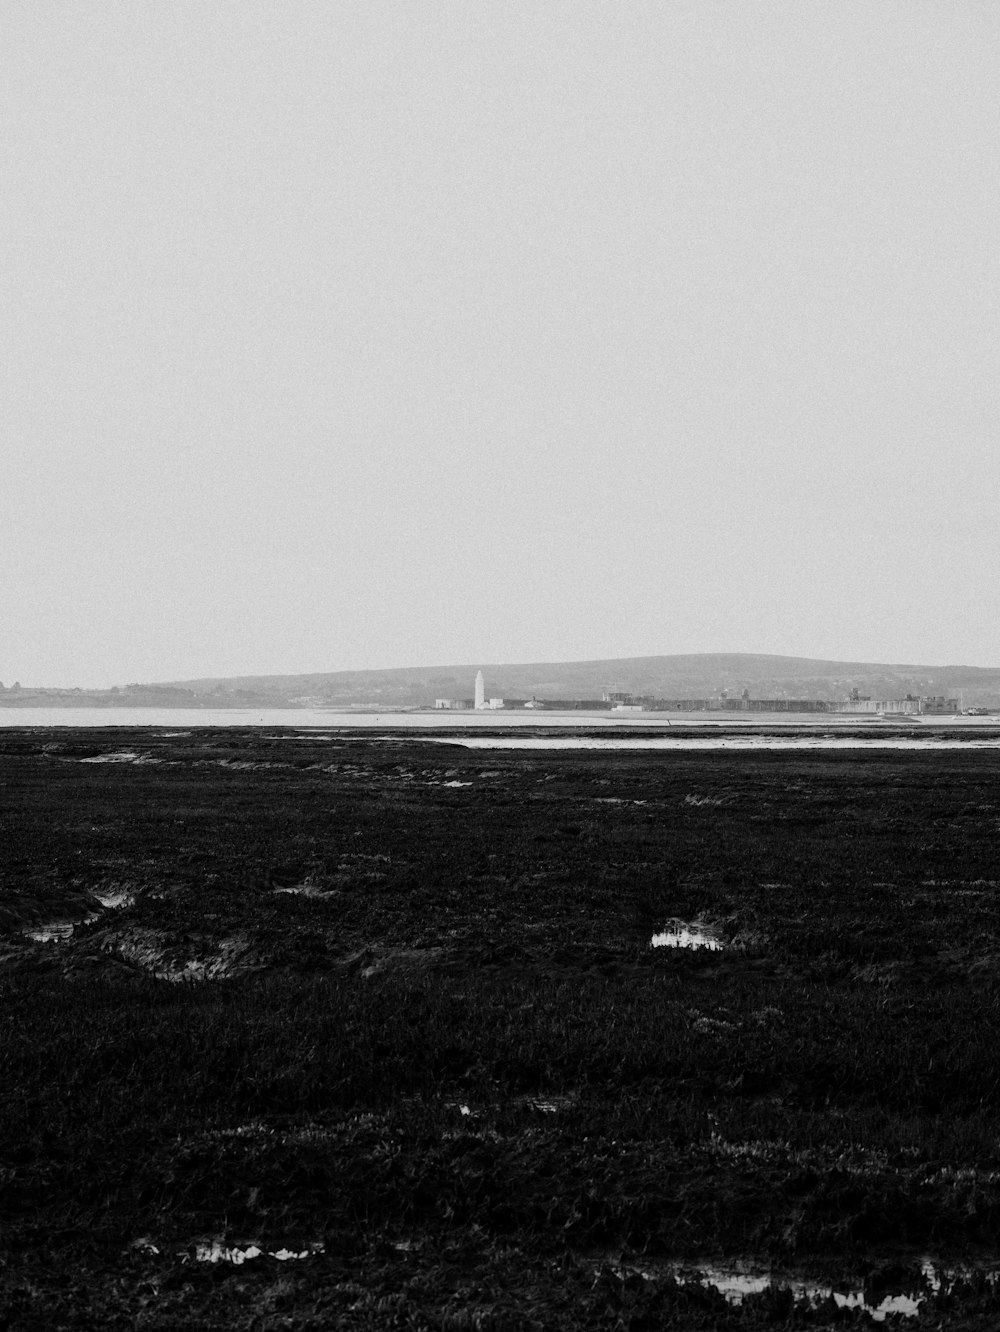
390,1006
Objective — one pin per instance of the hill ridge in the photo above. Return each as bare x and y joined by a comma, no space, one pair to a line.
676,675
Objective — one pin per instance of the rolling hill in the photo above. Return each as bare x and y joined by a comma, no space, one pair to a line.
686,675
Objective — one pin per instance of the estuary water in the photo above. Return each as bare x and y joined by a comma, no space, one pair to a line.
905,1293
725,742
520,730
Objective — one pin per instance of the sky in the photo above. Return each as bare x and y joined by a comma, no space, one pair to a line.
343,334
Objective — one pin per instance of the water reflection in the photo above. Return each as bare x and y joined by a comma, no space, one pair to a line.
712,742
215,1251
681,934
878,1297
119,756
57,932
119,898
797,734
735,1286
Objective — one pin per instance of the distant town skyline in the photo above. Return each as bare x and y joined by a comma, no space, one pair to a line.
623,681
349,336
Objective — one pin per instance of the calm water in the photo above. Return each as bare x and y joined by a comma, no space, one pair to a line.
814,733
679,934
738,1281
176,719
725,742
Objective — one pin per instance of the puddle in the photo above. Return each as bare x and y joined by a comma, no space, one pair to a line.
122,756
682,934
545,1105
57,932
115,899
879,1298
735,1286
239,765
215,1251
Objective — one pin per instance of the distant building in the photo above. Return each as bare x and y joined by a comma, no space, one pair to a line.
939,705
576,705
746,704
900,707
618,701
910,706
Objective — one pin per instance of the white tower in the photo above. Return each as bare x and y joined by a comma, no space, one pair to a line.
480,690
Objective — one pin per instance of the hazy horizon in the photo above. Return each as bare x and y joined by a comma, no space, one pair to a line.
473,666
346,336
500,666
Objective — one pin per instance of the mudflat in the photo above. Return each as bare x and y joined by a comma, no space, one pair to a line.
367,1031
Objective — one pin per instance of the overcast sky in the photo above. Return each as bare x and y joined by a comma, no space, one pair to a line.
357,334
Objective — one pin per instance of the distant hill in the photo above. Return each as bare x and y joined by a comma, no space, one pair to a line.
686,675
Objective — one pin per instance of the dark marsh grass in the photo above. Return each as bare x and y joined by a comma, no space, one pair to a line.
824,1090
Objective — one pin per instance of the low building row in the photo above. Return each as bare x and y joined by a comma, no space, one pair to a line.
911,705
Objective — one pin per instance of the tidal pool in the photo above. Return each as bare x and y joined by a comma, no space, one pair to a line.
680,934
801,728
736,1285
119,898
119,756
215,1251
878,1297
56,932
